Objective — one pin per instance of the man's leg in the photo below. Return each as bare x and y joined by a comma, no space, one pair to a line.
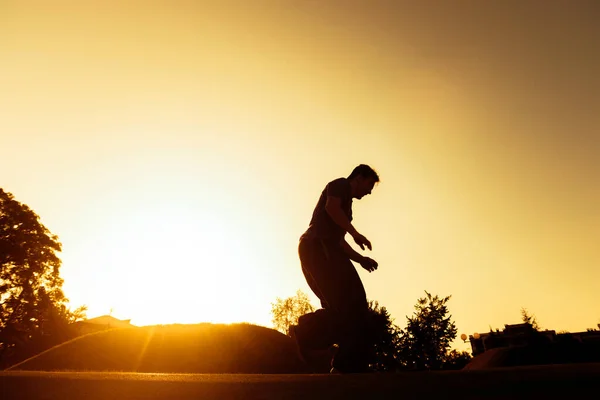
343,320
350,301
317,328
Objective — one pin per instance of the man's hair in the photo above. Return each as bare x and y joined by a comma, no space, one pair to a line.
365,171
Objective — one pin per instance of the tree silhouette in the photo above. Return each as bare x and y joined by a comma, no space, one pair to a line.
383,334
425,342
455,359
32,303
286,312
529,319
385,339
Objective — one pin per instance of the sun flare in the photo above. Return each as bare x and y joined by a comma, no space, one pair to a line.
172,263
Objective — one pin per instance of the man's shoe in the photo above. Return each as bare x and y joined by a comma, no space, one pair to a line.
319,360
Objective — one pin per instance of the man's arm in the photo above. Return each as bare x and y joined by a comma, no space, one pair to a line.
352,254
334,209
367,263
333,206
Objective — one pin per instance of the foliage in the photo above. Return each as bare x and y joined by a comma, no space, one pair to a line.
32,303
385,339
383,334
529,319
428,334
286,312
456,359
423,344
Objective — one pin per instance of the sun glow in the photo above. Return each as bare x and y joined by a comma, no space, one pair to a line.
175,262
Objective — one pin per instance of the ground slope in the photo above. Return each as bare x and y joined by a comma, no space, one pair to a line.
202,348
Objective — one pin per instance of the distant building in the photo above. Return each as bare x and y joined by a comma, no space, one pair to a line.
524,335
101,323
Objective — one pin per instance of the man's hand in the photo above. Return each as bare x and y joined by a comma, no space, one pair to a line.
361,241
369,264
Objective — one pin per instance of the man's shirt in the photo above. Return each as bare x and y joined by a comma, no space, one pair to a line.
321,225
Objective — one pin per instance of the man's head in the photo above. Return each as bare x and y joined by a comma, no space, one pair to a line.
362,179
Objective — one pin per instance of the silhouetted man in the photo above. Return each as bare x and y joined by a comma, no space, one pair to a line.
326,257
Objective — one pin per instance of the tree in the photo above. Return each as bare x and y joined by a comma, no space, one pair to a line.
286,312
529,319
383,334
384,337
32,303
429,332
455,359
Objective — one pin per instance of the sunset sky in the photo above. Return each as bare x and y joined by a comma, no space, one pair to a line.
178,148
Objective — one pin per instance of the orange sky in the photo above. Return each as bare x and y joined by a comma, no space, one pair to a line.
178,148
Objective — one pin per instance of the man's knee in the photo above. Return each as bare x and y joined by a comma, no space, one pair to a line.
353,316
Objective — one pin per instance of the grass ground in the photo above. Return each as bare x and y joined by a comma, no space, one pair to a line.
548,382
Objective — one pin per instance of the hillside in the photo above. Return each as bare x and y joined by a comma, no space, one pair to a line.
201,348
